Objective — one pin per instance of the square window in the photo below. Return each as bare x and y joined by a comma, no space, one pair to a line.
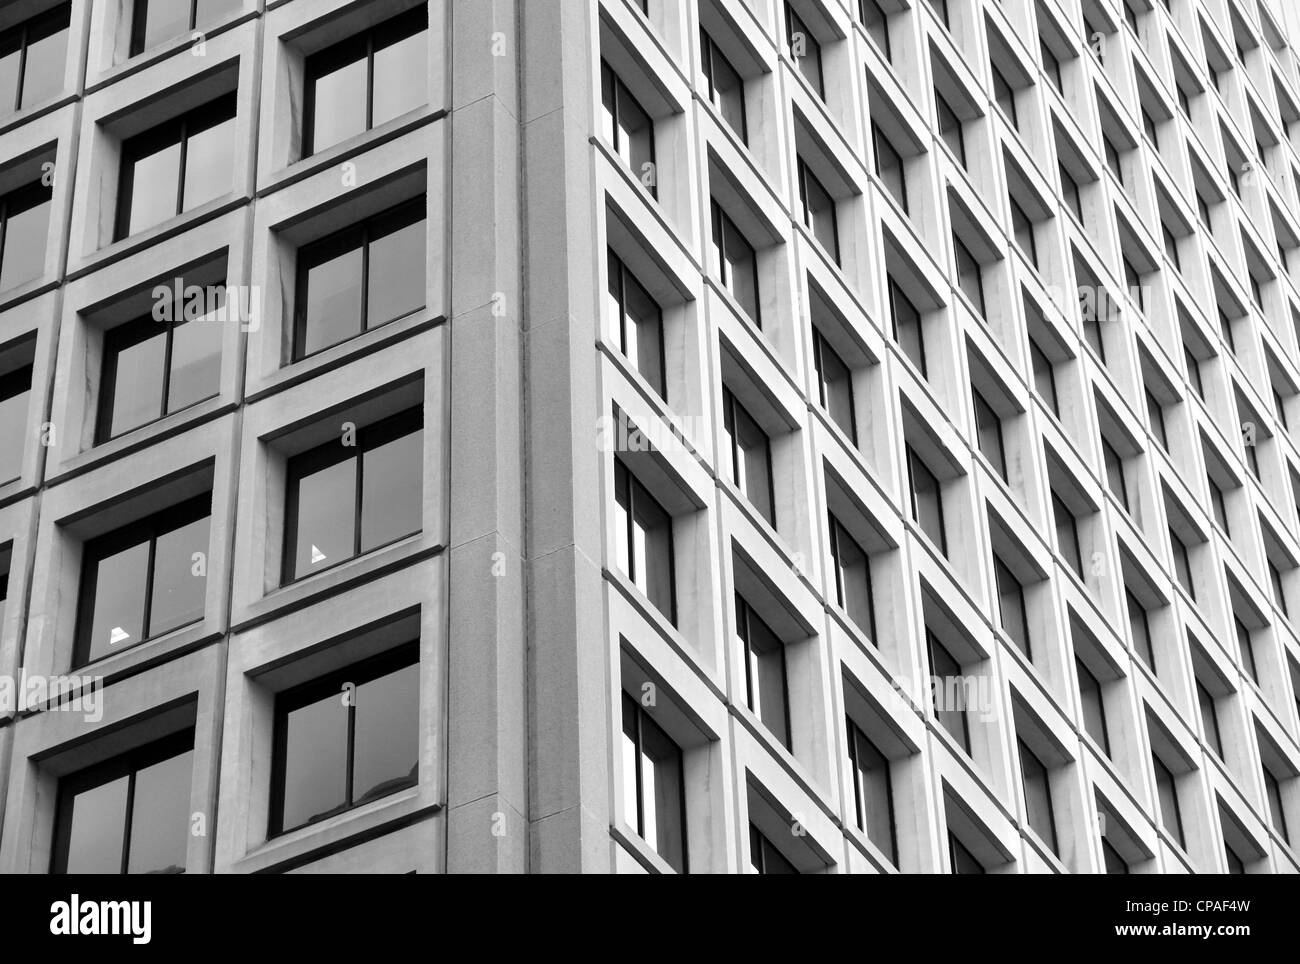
24,232
32,57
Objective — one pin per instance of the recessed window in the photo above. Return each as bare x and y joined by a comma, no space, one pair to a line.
346,739
1219,505
1070,192
354,494
1167,792
1038,795
1277,814
948,688
1193,371
32,58
1011,607
1067,534
639,323
1115,473
764,857
873,793
1171,246
360,278
852,578
154,367
835,386
961,860
1113,160
989,431
1023,229
1044,377
737,263
1156,416
927,500
366,80
1275,581
15,396
1140,629
818,212
889,166
726,86
1245,647
1005,95
130,815
628,128
969,276
766,690
155,21
805,50
1150,130
24,231
643,535
876,21
1094,707
1182,562
143,580
907,326
176,166
1225,329
654,796
950,128
1051,66
1209,718
1114,863
751,456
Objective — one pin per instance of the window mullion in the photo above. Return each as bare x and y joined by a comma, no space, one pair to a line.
352,747
148,583
357,499
640,774
126,829
184,160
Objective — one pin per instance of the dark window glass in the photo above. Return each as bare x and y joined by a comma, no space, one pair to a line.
346,739
766,688
751,456
154,367
1115,864
1193,371
907,326
1067,534
24,231
1115,473
1156,416
872,791
1024,232
853,589
927,500
639,323
1245,647
819,212
1167,792
1150,130
176,166
1070,191
876,21
1094,707
32,57
1235,864
628,128
1219,505
970,277
941,8
360,278
1203,211
143,580
129,815
1005,95
654,798
1273,788
1011,607
764,857
1133,282
726,86
644,541
950,128
15,396
1038,795
737,263
961,860
805,50
1140,629
366,80
1209,719
989,431
1275,579
1171,246
1044,377
356,493
1051,66
155,21
835,386
1182,563
889,166
1113,160
949,691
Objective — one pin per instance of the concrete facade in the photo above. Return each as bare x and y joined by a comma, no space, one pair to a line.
529,630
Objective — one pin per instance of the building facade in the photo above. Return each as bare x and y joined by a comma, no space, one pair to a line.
839,436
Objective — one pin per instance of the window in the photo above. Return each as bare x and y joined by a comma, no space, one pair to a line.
1219,505
24,231
155,21
907,326
644,538
366,80
766,691
1067,534
1203,211
835,386
852,578
1171,246
950,128
1011,606
1023,228
1182,563
1245,647
1225,329
818,212
725,85
1235,864
1051,66
654,797
877,23
1113,160
969,276
1005,95
1133,283
1115,473
751,456
129,815
1094,707
360,278
32,58
927,500
961,860
1044,377
889,166
1275,580
347,499
1115,864
1167,792
640,324
15,396
1273,789
1038,795
764,857
805,50
155,367
176,166
872,791
940,7
628,128
989,431
333,754
1209,718
1193,371
948,687
1156,416
1140,629
1070,192
737,264
142,581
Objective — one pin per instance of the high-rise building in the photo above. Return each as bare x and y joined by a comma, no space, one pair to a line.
842,436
